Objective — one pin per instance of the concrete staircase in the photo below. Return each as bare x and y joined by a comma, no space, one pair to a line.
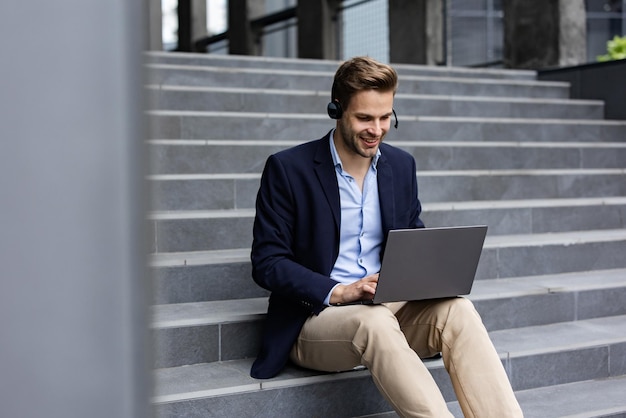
546,173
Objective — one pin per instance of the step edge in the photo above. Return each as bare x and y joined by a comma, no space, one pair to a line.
252,143
406,118
492,242
421,173
512,81
401,96
489,290
426,207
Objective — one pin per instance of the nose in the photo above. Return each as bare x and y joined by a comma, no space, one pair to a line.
376,127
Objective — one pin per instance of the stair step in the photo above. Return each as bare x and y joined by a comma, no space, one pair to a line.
200,332
496,147
226,274
228,311
228,156
202,76
171,97
178,231
228,191
506,256
275,63
203,276
530,356
588,399
166,124
225,389
598,398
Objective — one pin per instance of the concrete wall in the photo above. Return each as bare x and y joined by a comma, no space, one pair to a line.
597,81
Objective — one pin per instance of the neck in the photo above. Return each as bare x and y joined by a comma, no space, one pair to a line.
352,162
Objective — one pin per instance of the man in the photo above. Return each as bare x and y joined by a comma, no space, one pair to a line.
322,216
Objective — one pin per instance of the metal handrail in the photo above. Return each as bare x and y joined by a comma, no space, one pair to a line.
256,24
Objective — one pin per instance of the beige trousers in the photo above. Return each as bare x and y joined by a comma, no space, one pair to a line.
390,339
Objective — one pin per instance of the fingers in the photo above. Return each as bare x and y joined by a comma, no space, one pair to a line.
371,278
361,289
366,287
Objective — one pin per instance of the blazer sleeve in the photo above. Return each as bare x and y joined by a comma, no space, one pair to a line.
278,216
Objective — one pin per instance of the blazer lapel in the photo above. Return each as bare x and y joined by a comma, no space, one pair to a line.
325,171
385,192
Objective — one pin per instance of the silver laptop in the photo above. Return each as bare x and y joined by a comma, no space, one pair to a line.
429,263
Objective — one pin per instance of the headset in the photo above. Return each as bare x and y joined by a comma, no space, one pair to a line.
335,111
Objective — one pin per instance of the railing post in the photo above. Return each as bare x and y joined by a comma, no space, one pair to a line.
540,33
192,23
242,39
317,29
416,32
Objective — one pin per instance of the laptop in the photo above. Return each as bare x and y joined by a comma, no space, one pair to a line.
429,263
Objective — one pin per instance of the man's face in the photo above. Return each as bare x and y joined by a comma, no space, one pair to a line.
365,122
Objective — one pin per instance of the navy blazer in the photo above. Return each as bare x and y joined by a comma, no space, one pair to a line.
296,235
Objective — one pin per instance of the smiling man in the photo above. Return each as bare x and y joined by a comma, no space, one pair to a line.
322,215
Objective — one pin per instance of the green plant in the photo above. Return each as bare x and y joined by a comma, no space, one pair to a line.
615,48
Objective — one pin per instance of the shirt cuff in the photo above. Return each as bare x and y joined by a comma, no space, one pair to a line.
327,300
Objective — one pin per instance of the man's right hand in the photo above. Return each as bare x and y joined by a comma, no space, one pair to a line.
363,289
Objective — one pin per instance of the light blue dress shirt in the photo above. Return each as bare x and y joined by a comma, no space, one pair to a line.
361,231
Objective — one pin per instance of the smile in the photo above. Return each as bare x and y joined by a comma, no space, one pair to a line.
370,141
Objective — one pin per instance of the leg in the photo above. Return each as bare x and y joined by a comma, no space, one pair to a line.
454,328
341,338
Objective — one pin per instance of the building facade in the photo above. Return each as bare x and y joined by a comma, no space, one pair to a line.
458,33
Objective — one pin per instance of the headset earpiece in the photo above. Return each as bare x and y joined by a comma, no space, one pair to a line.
334,110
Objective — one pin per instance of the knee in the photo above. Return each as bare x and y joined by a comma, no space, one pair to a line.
461,305
377,317
462,314
379,322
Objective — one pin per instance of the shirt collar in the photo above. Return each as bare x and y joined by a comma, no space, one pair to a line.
337,160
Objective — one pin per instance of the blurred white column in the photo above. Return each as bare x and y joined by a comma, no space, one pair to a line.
73,295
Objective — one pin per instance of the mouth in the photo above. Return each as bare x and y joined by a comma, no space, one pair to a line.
370,142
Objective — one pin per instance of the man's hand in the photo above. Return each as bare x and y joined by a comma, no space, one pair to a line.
363,289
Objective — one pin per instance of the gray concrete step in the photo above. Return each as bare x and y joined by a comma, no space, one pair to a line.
179,231
198,276
241,156
205,332
593,349
167,97
256,62
507,256
183,75
597,398
174,192
203,276
546,174
175,124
